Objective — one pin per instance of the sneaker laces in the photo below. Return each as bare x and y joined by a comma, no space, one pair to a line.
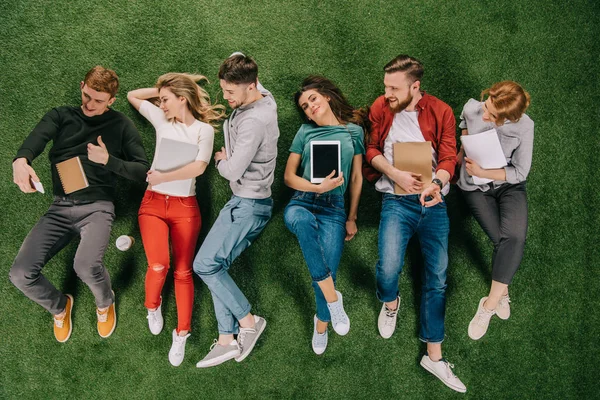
449,368
152,315
484,316
504,301
242,335
212,346
59,322
390,315
336,312
102,317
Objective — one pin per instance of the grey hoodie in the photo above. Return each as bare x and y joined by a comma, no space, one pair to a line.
251,134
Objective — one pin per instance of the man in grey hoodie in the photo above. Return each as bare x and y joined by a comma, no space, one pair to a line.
248,163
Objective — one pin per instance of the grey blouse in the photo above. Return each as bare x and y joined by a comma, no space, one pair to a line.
516,139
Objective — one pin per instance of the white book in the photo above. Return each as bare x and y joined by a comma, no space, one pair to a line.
484,148
173,154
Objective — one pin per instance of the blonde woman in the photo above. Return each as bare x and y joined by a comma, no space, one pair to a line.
499,206
184,113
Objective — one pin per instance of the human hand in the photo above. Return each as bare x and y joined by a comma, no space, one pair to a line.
351,229
408,181
155,177
23,174
433,191
473,168
98,154
221,155
330,183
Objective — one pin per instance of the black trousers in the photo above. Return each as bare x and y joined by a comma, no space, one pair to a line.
502,213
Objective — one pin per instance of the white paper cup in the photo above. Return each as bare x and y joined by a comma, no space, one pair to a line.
124,242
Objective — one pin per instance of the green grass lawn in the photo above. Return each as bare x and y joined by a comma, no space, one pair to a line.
547,349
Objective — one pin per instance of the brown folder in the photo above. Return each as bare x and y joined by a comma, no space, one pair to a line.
413,157
72,175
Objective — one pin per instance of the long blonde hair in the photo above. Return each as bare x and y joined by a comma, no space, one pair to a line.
198,100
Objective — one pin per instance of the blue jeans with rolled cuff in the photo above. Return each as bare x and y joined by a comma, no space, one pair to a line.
319,223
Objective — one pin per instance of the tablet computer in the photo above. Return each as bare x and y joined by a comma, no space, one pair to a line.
325,156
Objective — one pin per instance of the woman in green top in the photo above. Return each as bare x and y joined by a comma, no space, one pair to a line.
316,213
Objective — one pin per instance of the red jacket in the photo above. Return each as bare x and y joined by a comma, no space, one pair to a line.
437,124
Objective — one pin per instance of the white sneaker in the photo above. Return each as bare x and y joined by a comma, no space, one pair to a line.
155,320
480,322
339,318
319,340
387,320
177,351
503,307
443,371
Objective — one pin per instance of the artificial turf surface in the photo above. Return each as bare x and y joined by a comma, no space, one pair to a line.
547,349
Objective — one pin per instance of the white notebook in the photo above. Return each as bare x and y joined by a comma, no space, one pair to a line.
484,148
171,155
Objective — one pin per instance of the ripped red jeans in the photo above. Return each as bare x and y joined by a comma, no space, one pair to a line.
162,217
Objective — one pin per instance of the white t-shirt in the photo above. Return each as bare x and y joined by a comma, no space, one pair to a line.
199,133
405,128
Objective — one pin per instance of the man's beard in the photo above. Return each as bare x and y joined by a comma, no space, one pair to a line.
400,105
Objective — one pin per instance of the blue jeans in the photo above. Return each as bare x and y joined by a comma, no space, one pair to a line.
401,218
319,223
239,223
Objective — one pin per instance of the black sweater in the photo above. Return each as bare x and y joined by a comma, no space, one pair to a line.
70,131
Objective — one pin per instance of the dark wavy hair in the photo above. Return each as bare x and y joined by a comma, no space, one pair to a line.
342,110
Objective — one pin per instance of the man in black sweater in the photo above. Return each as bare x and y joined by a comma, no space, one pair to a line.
108,145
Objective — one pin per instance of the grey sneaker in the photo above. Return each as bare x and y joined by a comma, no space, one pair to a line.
503,307
248,336
387,320
319,340
339,318
443,371
480,322
219,354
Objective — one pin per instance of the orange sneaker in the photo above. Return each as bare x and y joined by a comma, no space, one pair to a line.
63,326
107,320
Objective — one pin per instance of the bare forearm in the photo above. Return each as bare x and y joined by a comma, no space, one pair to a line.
355,191
188,171
298,183
381,164
443,176
495,174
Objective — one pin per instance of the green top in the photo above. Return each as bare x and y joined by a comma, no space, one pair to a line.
70,131
351,138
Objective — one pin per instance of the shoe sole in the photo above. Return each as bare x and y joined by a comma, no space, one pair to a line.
70,321
115,324
217,360
243,355
432,372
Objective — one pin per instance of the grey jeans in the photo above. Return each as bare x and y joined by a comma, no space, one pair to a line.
502,214
64,220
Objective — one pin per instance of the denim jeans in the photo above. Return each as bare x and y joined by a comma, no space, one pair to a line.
401,218
65,220
239,223
319,223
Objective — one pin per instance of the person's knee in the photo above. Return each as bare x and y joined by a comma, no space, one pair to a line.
516,238
19,277
295,217
206,266
182,275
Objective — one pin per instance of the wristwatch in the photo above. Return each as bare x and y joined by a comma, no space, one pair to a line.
438,182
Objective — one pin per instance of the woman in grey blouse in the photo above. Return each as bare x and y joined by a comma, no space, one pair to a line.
499,206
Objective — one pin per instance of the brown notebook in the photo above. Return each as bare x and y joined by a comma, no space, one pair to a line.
72,175
413,157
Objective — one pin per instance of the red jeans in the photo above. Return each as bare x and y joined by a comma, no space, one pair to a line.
160,216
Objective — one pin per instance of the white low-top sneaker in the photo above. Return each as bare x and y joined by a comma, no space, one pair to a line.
503,307
480,322
177,351
443,371
319,340
387,320
155,320
339,318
